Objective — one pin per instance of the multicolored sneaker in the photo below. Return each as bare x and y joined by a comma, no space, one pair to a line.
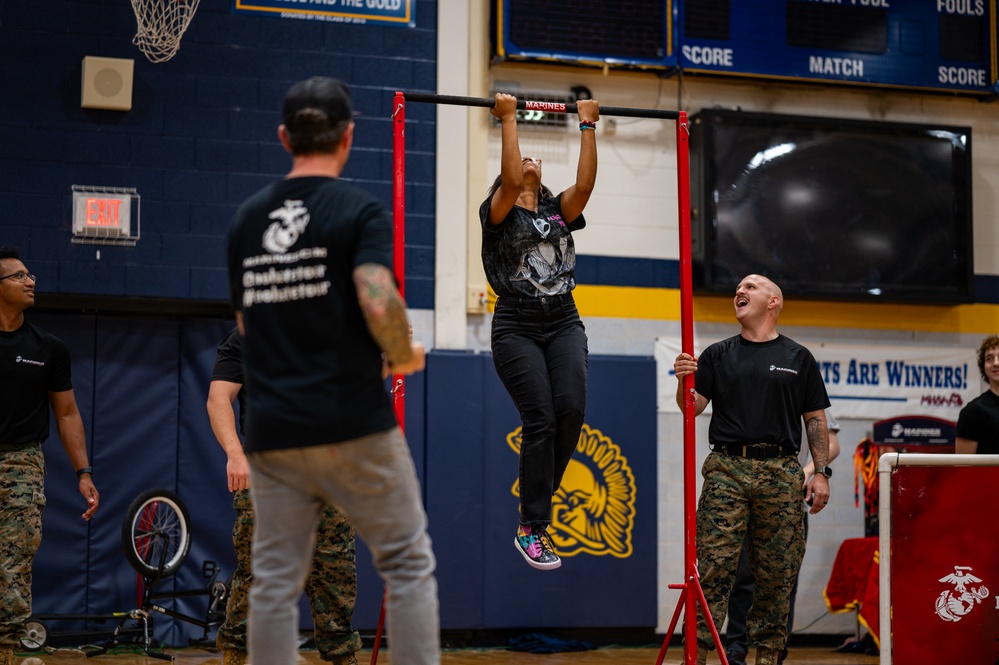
537,548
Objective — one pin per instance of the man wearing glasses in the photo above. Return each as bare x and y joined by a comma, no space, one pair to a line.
34,373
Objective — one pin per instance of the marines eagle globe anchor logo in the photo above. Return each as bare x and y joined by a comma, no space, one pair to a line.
955,603
292,218
593,511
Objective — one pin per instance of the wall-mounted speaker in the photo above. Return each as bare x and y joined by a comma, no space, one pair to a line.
107,83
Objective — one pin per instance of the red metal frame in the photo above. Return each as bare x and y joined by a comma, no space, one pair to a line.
399,269
399,226
690,590
691,593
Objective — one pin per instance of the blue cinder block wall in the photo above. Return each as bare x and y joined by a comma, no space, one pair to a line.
200,137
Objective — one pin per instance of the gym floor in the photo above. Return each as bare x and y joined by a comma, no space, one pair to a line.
602,656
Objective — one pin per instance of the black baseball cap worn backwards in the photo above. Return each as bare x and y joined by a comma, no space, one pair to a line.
328,95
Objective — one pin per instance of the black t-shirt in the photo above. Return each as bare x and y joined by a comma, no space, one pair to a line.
229,367
530,254
979,421
759,391
33,363
313,371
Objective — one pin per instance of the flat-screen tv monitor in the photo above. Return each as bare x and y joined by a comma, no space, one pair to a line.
831,208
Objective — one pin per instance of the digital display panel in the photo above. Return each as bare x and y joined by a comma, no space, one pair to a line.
837,28
623,33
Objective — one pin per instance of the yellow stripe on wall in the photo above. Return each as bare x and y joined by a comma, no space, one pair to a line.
664,304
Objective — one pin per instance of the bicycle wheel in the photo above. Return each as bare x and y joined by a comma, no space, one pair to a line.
36,635
156,534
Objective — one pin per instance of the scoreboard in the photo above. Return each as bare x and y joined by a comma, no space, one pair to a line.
932,44
942,45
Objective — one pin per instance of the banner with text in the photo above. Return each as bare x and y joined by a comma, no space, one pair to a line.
400,13
873,382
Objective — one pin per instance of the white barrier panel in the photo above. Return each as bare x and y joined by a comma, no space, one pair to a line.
939,573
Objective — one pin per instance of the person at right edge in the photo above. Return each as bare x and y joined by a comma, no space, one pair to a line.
762,386
310,275
978,422
538,341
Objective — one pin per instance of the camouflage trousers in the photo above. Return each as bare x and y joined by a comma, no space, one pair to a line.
331,585
759,501
22,501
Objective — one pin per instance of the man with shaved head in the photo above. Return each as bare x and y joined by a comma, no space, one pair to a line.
763,385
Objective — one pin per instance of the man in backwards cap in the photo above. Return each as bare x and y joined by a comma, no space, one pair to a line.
310,277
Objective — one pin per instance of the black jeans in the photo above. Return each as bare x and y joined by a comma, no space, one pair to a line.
540,353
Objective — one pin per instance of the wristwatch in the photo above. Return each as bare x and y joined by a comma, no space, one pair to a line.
825,471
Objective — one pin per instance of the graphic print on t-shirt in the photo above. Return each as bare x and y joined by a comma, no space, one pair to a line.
543,227
531,253
540,265
545,262
302,274
281,235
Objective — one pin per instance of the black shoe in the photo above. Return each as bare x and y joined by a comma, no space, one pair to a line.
736,657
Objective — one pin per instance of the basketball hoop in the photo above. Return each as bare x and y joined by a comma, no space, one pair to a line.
161,24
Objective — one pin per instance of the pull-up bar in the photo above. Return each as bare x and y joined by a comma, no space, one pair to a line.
691,594
551,107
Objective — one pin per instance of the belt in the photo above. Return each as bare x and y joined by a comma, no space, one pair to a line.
754,450
12,447
533,300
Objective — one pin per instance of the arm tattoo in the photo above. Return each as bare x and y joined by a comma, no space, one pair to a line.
818,441
384,310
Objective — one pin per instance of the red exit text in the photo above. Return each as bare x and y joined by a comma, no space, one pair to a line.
102,212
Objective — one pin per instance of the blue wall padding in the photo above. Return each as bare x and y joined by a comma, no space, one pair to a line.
142,383
605,591
471,471
134,439
456,404
63,560
201,472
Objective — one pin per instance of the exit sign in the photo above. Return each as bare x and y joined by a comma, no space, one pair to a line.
103,213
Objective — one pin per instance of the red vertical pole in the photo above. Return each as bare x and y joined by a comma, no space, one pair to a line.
399,225
687,346
399,268
691,594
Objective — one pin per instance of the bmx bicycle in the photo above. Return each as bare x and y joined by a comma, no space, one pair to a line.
156,538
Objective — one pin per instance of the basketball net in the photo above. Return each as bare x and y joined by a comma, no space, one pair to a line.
161,24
